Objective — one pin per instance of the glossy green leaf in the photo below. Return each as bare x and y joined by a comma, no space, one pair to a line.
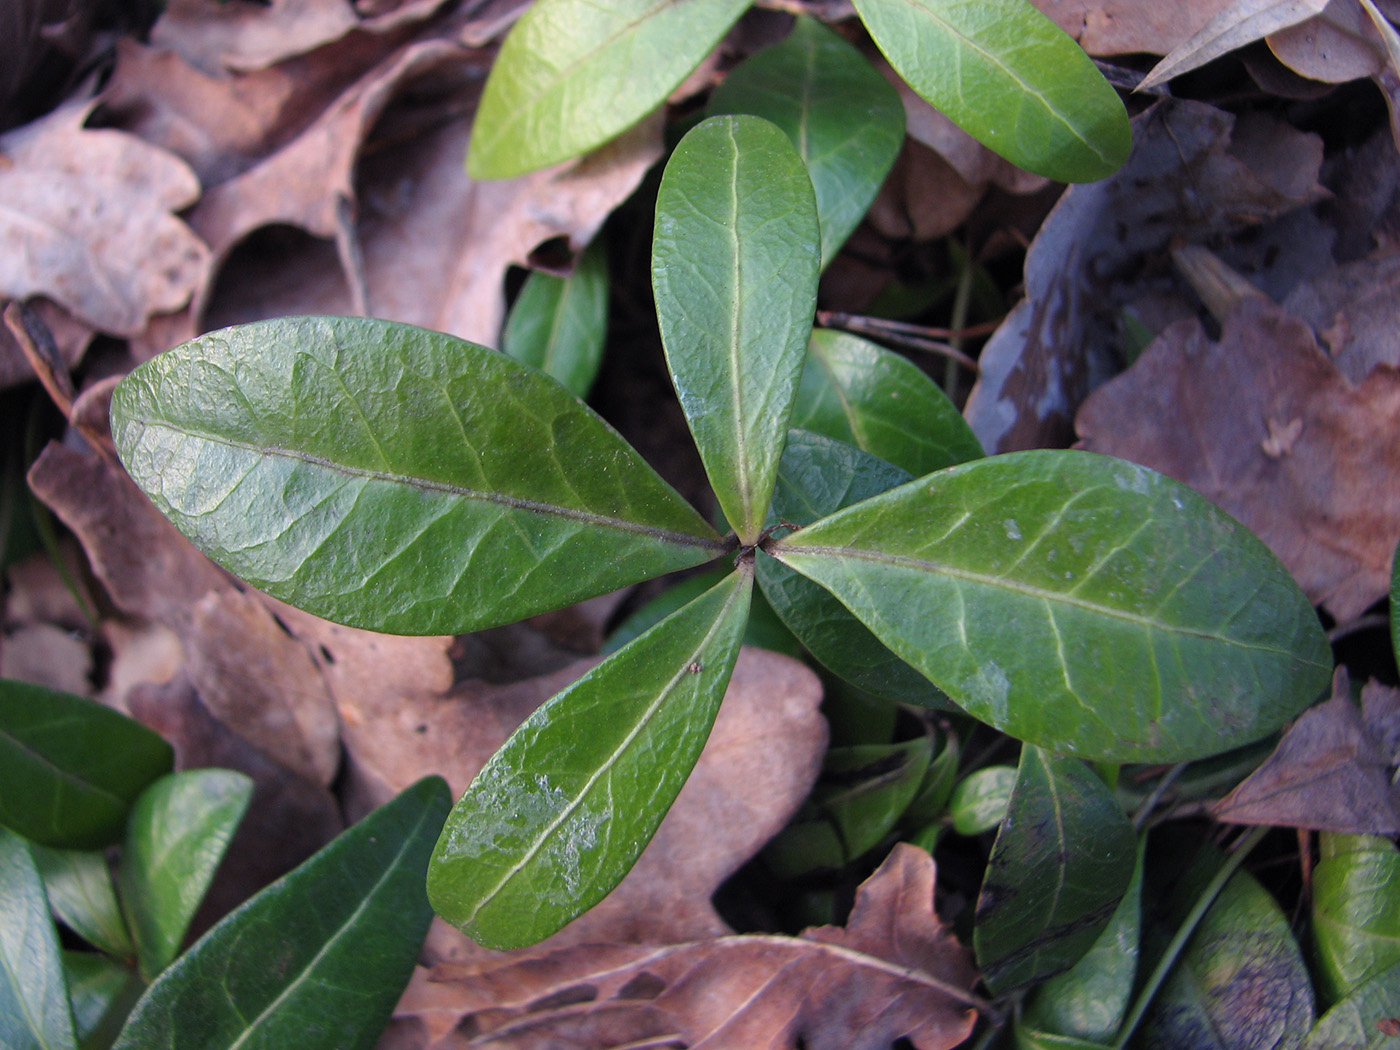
845,120
176,837
981,799
1090,1000
559,324
880,401
561,812
734,269
102,993
764,630
1010,78
1061,863
34,1010
1028,1038
1356,911
931,803
80,891
1364,1020
1077,602
393,478
1241,982
572,74
317,960
71,767
817,476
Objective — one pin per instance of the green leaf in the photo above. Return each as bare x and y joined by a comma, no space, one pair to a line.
176,837
1010,78
572,74
559,324
1356,911
734,270
34,1010
818,476
560,813
1028,1038
317,960
981,799
79,887
393,478
764,629
880,401
1090,1000
102,993
1077,602
1240,983
1060,864
845,120
1358,1021
71,767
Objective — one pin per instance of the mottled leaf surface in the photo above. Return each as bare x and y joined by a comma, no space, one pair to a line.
1059,867
34,1011
1077,602
734,269
393,478
559,324
561,812
1010,78
1364,1020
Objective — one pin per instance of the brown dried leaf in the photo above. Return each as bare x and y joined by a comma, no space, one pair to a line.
88,222
1213,414
1123,27
894,971
1239,24
1353,308
1331,771
1340,44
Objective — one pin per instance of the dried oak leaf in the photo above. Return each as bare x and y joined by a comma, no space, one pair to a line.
894,971
1123,27
1264,425
1332,769
88,222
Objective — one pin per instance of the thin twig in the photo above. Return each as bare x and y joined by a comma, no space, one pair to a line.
916,337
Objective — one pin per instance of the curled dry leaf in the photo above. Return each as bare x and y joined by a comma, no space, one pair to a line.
894,971
1263,425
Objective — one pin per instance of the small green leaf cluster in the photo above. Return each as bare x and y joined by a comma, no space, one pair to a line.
80,779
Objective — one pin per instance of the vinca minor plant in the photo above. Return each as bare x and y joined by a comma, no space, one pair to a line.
406,481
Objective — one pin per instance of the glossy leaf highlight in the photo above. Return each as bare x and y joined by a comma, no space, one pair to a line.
559,814
393,478
559,324
80,891
1010,78
734,270
34,1010
1078,602
315,961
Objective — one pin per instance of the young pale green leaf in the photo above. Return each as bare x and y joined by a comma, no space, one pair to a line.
561,812
1078,602
315,961
79,887
845,120
1364,1020
34,1010
734,269
393,478
818,476
879,401
572,74
176,837
71,767
1356,911
1010,78
1061,863
981,799
559,324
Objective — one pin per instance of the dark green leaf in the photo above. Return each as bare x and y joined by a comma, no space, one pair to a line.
931,803
1077,602
34,1010
71,767
845,120
393,478
816,477
1028,1038
560,813
734,270
764,629
79,887
1364,1020
559,324
1061,863
176,837
981,799
877,400
1356,911
102,993
1241,982
317,960
572,74
1010,78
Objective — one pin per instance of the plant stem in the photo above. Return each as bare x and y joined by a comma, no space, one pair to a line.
962,299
